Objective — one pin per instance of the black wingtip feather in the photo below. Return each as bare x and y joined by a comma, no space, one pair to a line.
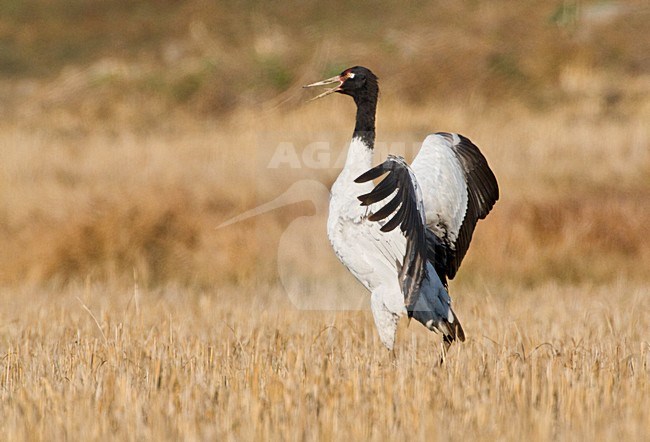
373,173
382,213
380,192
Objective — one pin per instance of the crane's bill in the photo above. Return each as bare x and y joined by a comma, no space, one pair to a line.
335,79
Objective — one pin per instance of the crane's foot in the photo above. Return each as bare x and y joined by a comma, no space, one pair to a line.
446,343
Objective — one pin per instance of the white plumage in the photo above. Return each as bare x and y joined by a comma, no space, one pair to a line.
443,186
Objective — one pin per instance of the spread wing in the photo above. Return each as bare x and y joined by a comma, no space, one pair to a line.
458,188
407,212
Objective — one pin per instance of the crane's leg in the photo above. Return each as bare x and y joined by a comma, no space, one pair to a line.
446,343
385,320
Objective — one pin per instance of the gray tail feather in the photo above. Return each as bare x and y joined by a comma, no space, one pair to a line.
433,310
452,331
450,327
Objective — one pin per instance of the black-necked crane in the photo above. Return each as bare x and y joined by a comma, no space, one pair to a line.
436,203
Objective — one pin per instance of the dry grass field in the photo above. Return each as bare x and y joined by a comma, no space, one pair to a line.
540,364
129,312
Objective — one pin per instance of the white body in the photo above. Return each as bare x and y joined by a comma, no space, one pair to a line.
373,256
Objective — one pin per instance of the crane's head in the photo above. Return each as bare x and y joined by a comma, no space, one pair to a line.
358,82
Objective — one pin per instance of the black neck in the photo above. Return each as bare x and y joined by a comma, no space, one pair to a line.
365,127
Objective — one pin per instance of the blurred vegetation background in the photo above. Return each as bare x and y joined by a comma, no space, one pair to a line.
127,128
209,57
